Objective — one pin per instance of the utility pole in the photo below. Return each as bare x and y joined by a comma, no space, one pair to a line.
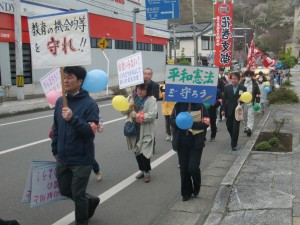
135,11
18,51
173,26
194,34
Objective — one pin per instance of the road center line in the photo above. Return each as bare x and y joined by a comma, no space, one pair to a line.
47,139
117,188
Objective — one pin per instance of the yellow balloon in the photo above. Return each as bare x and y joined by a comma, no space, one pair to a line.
267,83
246,97
120,103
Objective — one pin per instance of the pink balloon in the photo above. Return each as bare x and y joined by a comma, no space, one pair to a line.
52,97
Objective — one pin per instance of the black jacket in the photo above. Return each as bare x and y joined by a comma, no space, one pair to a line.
230,100
213,108
73,140
178,133
155,88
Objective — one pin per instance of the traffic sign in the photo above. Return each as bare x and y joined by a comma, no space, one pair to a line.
162,9
102,43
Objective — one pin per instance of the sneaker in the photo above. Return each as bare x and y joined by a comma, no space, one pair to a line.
139,176
234,149
212,139
168,138
249,132
93,203
147,178
99,176
185,198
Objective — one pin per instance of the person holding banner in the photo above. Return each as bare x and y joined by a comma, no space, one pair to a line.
73,143
143,111
230,100
189,147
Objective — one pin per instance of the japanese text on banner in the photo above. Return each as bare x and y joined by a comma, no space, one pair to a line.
60,39
191,84
130,71
224,34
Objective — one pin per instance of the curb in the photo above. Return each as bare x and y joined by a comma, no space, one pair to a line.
225,189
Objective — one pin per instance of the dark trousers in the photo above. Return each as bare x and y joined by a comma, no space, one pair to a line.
213,126
143,163
168,126
189,161
233,127
72,183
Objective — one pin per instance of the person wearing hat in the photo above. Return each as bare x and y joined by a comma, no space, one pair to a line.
252,88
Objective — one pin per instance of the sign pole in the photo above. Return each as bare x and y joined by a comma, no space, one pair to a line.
63,90
19,52
107,70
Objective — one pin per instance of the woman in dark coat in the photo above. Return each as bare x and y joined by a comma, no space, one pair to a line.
189,147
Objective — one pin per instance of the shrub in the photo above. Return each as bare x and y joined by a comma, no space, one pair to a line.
117,91
263,146
288,75
287,83
274,141
283,96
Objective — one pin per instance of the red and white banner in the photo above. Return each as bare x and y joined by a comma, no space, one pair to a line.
267,61
257,53
250,54
223,33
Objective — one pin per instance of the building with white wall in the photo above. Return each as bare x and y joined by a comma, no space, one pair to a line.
111,19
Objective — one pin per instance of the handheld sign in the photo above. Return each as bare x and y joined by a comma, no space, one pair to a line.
130,71
41,186
191,84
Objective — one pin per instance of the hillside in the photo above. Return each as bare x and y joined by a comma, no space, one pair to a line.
262,13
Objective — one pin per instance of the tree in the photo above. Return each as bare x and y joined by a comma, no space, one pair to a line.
183,60
288,60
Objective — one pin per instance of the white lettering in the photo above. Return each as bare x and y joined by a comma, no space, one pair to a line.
6,7
4,35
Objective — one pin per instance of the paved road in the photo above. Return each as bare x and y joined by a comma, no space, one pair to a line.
24,138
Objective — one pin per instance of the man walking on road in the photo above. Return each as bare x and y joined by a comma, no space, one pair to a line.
231,97
73,143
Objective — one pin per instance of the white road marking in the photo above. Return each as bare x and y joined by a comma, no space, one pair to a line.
24,146
117,188
21,121
37,118
47,139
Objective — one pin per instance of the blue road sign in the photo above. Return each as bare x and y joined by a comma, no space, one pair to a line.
162,9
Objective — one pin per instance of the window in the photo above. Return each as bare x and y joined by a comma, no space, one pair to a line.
27,71
119,44
205,44
157,48
143,46
94,42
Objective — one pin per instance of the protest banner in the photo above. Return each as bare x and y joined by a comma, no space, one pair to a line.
51,83
223,28
41,186
130,70
60,39
191,84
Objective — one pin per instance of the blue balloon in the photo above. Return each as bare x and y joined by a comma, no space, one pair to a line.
184,120
267,89
95,81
